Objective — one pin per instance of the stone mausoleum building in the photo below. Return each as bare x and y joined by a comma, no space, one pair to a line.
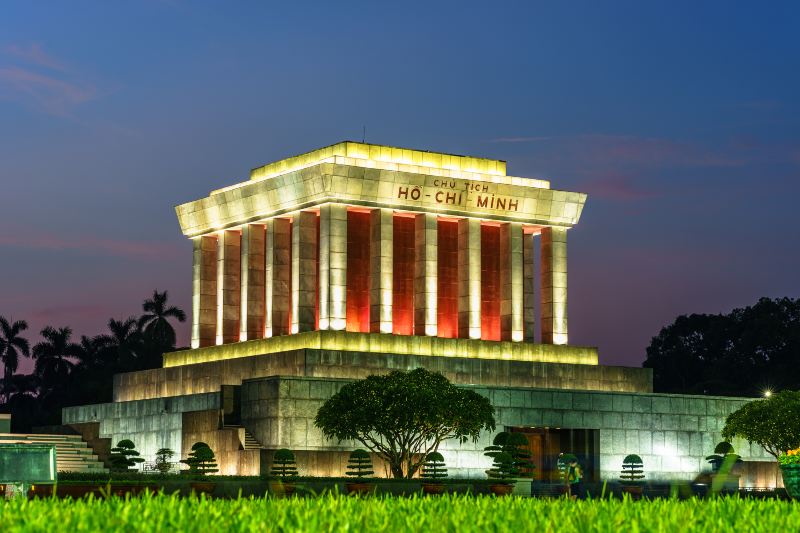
357,259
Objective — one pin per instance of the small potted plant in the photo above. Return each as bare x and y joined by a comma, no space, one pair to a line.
503,473
359,468
201,461
433,472
285,469
632,475
723,461
517,446
789,463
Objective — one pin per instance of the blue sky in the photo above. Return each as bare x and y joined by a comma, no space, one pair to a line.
680,119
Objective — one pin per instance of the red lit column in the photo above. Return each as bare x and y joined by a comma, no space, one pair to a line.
490,282
358,277
448,280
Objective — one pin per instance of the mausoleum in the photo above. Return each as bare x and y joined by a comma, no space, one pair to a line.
357,259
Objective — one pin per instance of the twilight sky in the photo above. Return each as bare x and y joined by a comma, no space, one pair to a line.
680,119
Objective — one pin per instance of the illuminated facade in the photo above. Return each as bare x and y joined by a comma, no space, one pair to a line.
358,259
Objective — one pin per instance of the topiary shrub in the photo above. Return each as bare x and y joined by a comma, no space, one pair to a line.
201,459
433,469
359,465
516,445
163,455
724,457
283,464
503,469
632,469
124,456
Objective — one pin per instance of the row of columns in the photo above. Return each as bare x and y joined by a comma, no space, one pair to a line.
290,274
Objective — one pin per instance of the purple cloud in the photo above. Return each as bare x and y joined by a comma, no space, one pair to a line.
143,250
34,54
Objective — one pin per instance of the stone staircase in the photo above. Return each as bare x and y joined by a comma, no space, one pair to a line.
248,441
72,452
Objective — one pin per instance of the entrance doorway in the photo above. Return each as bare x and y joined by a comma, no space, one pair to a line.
545,444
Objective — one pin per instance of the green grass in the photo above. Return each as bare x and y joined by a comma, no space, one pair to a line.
452,514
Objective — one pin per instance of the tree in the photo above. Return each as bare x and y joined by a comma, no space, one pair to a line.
12,345
739,353
163,455
516,445
124,456
773,422
155,322
124,343
54,356
632,469
434,469
404,416
201,459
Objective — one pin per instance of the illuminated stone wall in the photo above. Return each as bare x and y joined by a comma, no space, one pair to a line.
672,433
209,377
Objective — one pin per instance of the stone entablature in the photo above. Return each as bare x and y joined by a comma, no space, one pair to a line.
372,239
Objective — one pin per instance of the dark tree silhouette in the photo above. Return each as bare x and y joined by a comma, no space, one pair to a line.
55,356
12,345
155,322
741,353
123,345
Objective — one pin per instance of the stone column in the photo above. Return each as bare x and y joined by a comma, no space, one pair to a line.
425,274
554,285
281,275
381,263
204,291
304,272
228,286
269,261
529,293
252,283
511,285
469,278
333,267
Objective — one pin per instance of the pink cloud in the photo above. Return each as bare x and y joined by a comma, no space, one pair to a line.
47,93
34,54
123,248
617,187
69,312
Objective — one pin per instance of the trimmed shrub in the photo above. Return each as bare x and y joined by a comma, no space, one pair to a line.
433,469
359,465
283,464
503,469
124,456
163,455
632,469
201,459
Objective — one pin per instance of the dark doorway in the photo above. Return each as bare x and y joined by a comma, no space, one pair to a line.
545,444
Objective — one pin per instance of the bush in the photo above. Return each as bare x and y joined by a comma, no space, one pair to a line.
283,464
124,456
201,459
359,465
516,445
723,458
503,469
433,469
632,469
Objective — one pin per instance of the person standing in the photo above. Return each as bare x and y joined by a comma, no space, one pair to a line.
574,478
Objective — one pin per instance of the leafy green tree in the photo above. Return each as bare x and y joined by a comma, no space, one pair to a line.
738,354
124,456
773,423
359,465
163,455
283,464
404,416
155,324
201,459
12,346
55,356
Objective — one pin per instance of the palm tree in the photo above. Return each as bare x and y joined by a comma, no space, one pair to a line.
91,351
124,343
11,346
155,322
54,355
22,385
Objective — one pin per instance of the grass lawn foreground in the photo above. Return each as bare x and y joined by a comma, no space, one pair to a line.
446,513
